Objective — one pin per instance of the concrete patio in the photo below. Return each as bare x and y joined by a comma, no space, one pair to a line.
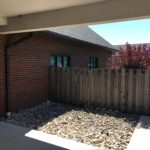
141,137
14,137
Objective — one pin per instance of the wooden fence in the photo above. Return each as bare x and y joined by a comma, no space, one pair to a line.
127,91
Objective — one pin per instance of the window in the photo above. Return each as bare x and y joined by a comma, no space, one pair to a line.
60,61
93,62
53,60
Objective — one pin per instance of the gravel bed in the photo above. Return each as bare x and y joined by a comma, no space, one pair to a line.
109,130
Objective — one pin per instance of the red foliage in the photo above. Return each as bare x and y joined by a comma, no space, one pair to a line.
131,57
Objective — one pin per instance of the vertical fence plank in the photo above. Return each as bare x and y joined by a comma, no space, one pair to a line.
81,86
112,89
49,83
109,89
147,92
142,92
92,87
73,86
116,99
99,87
83,90
86,87
68,85
130,91
119,89
134,92
63,85
138,92
126,91
56,86
96,86
77,86
89,87
59,87
102,88
54,83
105,88
122,90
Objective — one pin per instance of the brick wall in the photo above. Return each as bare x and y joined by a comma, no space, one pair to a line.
2,76
29,63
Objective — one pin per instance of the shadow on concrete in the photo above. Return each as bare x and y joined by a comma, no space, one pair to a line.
13,138
144,122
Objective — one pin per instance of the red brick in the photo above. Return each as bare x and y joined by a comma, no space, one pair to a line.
29,63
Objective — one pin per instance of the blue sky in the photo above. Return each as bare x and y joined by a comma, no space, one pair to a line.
133,32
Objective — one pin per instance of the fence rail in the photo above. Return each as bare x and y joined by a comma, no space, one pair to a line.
127,91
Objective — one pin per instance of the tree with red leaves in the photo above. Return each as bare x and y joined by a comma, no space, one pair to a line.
131,57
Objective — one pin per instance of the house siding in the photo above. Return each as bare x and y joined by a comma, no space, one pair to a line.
29,62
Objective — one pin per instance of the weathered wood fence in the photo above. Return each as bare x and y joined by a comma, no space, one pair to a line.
127,91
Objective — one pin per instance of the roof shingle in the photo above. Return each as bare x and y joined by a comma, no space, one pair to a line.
83,33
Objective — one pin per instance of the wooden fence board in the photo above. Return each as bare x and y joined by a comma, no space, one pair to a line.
116,89
142,93
123,90
73,86
130,90
57,88
64,85
61,84
109,88
95,88
98,88
87,88
53,84
102,88
78,86
147,92
138,92
83,96
68,81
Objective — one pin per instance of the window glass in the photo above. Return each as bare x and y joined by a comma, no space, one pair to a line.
65,61
59,61
52,61
93,62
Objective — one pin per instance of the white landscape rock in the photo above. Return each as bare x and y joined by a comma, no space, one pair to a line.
105,129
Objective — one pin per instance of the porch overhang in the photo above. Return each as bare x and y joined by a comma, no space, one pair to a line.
101,11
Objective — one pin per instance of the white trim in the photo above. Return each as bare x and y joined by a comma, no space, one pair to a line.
61,142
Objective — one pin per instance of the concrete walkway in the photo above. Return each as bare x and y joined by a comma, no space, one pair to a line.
141,136
14,137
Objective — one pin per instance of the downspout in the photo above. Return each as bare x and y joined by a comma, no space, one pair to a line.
8,46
